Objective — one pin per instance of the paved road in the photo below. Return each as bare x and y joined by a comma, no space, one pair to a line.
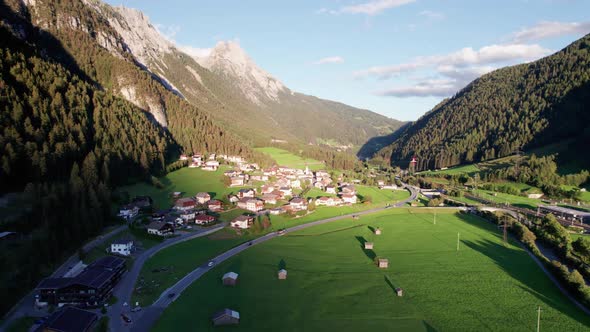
124,288
25,306
145,319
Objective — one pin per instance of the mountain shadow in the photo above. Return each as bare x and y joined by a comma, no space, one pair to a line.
370,148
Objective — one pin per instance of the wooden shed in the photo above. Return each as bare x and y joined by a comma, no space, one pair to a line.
230,279
282,274
226,317
399,292
368,245
378,231
383,263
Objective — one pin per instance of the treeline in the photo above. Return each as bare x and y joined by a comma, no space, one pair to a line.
510,109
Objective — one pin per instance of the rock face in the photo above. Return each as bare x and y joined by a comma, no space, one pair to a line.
229,59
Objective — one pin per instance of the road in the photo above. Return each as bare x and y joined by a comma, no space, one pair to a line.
124,288
145,319
25,307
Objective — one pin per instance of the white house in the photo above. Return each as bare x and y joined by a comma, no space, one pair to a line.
128,211
242,222
203,197
330,189
295,184
328,201
298,204
349,198
122,247
286,191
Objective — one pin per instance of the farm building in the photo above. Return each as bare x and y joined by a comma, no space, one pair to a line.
161,229
282,274
368,245
565,213
70,319
383,263
204,219
242,221
230,279
399,292
226,317
378,231
203,198
186,203
214,205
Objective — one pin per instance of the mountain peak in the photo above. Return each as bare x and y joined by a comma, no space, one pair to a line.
229,58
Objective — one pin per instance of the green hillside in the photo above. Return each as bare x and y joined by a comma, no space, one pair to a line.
514,108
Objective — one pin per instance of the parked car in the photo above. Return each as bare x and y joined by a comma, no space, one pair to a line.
126,318
281,232
210,264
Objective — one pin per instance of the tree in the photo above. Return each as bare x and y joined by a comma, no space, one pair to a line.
582,247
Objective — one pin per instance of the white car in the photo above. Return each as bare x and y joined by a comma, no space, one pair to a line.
210,264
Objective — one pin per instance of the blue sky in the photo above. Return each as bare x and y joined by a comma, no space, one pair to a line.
395,57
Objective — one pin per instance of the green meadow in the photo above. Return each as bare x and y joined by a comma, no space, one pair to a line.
286,158
334,285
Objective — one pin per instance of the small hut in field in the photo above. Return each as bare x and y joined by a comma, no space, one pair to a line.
383,263
378,231
282,274
399,292
226,317
230,279
368,245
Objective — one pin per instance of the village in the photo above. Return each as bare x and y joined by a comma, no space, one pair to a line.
259,192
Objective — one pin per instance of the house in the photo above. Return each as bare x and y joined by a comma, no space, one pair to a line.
330,189
90,288
282,274
128,211
204,219
144,203
187,215
233,199
197,157
277,211
270,198
368,245
389,186
378,231
350,189
322,174
266,189
226,317
186,203
161,229
230,279
535,196
270,171
383,263
295,183
211,165
195,164
399,292
251,204
349,198
214,205
259,177
122,247
243,193
183,157
237,181
298,204
212,157
231,173
69,319
380,182
203,198
243,221
286,191
328,201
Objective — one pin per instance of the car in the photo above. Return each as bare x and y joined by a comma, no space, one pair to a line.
250,243
171,295
136,309
210,264
126,318
281,232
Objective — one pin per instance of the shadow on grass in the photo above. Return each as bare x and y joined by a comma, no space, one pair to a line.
428,327
368,252
389,283
282,264
518,265
372,229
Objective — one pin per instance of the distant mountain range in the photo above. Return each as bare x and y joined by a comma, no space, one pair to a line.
539,106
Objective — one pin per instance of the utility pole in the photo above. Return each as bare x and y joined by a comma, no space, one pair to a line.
539,319
458,238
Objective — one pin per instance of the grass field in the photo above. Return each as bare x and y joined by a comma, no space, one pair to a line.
286,158
189,181
333,284
465,169
183,258
502,198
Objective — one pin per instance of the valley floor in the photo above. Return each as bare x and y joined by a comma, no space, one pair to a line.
333,283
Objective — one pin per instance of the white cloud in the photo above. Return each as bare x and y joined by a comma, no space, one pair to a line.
429,88
168,31
328,60
432,14
546,29
195,51
486,55
373,7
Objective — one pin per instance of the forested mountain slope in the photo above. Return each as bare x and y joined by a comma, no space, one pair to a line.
514,108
